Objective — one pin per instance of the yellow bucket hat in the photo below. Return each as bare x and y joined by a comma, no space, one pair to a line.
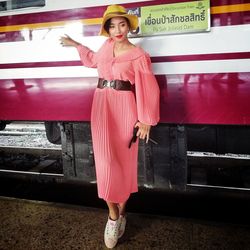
117,11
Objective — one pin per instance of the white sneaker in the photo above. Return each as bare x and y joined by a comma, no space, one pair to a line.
123,222
111,233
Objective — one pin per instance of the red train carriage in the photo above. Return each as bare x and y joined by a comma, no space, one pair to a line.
204,78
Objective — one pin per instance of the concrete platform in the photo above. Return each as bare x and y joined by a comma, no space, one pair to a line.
41,225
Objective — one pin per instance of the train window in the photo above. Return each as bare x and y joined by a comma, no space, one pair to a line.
7,5
3,6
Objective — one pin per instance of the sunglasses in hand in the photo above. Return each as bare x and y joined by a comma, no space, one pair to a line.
134,138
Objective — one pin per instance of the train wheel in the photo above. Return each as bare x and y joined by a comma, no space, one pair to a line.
53,132
2,125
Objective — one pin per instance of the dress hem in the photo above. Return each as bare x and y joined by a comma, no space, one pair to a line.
112,201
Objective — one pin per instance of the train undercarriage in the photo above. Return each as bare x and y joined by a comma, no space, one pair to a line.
185,157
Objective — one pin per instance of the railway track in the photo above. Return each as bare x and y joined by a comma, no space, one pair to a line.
25,152
31,162
37,174
31,170
25,134
43,160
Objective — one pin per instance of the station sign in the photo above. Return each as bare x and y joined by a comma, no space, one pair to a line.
193,16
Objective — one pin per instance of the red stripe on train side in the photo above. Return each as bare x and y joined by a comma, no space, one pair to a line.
224,19
90,12
214,3
234,18
237,18
39,64
72,14
154,59
202,57
217,98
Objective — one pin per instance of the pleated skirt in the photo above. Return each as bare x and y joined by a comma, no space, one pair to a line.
113,117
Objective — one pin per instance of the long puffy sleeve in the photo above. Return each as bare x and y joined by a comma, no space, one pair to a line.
88,57
147,91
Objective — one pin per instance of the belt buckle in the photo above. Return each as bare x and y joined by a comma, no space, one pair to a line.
108,84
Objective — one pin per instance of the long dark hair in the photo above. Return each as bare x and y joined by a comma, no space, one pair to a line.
107,24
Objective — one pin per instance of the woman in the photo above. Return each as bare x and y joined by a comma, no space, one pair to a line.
117,110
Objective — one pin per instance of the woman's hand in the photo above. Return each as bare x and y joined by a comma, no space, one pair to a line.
68,41
143,131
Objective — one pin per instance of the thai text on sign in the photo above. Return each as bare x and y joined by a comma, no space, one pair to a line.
176,18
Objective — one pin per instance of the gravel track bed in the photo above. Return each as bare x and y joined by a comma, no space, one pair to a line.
25,135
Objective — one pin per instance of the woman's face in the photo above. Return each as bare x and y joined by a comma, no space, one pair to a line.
118,28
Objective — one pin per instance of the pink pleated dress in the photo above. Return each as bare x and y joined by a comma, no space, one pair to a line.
114,114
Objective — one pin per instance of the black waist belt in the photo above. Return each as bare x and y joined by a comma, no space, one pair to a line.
114,84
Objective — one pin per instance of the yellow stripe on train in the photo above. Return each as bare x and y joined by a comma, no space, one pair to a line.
10,28
230,8
94,21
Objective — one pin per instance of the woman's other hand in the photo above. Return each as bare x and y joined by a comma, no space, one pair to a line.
143,131
68,41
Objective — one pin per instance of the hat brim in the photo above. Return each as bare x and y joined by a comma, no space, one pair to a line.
133,20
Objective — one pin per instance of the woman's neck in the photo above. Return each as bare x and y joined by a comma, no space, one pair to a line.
123,45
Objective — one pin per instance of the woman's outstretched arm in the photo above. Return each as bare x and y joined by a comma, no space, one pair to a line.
68,41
